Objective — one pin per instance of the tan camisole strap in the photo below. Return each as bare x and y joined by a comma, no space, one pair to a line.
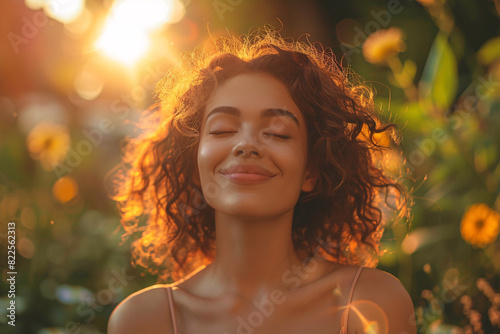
172,310
345,317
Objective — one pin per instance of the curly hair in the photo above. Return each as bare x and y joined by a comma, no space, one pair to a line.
342,218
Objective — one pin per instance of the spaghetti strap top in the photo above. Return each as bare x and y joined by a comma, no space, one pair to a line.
345,317
172,310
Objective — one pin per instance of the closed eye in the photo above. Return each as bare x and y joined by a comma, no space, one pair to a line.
277,135
220,132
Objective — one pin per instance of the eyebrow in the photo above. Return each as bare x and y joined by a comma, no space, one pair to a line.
265,113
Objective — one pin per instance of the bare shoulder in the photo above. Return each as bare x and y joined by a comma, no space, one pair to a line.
145,311
382,299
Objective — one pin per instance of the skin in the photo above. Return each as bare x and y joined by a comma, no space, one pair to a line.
255,263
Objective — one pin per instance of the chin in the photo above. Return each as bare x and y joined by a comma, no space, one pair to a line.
248,207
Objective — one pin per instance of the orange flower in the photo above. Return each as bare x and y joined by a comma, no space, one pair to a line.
383,44
49,143
480,225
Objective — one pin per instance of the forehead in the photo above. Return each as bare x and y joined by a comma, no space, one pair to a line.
253,91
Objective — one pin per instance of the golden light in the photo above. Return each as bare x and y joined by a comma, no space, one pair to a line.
126,33
81,24
64,11
49,143
34,4
149,14
378,322
88,83
65,189
122,42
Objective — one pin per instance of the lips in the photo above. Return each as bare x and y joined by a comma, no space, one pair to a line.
247,173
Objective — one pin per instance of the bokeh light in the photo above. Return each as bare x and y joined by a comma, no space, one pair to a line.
346,32
26,248
34,4
65,189
28,218
62,11
81,24
88,83
40,108
72,294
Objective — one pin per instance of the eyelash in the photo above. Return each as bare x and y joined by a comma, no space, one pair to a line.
227,132
279,136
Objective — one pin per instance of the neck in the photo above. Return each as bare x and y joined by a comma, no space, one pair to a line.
252,254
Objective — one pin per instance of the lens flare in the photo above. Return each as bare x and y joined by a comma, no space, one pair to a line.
376,323
126,34
64,11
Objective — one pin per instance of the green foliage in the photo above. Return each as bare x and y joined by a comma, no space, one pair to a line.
440,77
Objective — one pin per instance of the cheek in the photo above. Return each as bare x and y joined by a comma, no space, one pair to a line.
208,157
291,157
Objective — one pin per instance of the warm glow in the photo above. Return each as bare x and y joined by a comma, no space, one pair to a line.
145,14
65,189
480,225
81,24
125,36
34,4
123,42
88,83
64,11
379,322
48,143
383,44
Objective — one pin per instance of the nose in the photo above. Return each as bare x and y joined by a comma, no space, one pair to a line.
248,146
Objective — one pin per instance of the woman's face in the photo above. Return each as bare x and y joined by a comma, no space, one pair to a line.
252,154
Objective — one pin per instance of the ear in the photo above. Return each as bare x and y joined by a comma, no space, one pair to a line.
310,179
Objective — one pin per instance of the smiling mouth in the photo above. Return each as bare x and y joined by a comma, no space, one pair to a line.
247,174
247,178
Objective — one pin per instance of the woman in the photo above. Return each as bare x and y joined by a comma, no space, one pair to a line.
263,189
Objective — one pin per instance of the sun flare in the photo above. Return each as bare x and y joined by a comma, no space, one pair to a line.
125,36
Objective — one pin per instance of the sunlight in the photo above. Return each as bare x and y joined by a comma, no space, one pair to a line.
377,324
122,42
62,11
126,33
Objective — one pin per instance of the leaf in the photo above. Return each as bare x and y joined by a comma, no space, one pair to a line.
405,78
410,68
440,77
489,52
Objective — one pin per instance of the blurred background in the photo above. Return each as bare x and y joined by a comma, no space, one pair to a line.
75,76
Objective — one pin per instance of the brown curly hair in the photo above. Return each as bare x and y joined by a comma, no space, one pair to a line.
342,218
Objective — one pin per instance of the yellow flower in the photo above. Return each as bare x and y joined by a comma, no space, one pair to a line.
480,225
49,143
383,44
